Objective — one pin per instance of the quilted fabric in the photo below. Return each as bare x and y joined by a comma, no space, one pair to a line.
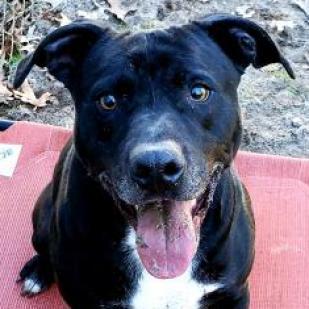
279,189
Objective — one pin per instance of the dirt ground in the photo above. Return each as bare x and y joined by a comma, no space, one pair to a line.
275,108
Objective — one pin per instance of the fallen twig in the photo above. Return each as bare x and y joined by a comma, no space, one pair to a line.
302,5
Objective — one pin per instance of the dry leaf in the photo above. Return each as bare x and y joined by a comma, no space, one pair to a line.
4,91
281,25
116,9
63,20
27,95
273,67
41,101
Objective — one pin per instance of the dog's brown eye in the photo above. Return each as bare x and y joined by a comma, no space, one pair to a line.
199,92
108,102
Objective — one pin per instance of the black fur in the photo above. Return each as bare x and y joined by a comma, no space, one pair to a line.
82,218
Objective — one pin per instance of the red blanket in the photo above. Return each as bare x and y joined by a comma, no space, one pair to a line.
279,188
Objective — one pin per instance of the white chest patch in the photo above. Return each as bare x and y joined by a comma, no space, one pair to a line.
179,293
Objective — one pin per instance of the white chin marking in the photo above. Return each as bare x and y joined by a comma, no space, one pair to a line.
31,287
182,292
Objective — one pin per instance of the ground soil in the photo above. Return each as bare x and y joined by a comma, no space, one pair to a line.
275,108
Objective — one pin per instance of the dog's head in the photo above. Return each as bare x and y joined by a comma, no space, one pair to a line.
156,116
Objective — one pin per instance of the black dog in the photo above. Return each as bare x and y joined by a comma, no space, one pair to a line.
133,217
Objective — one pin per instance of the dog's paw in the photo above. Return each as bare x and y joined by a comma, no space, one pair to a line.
31,287
36,276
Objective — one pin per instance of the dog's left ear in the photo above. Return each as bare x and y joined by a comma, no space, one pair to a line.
243,41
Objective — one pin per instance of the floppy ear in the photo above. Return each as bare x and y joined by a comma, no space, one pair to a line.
243,41
62,51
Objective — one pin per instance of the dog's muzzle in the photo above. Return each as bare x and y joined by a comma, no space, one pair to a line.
167,228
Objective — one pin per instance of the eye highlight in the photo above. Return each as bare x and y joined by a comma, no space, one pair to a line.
108,102
200,92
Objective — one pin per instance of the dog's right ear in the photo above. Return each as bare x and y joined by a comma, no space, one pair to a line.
63,51
244,41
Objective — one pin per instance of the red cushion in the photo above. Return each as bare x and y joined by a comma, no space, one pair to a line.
279,188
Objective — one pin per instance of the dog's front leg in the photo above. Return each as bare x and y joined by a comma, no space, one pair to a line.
235,300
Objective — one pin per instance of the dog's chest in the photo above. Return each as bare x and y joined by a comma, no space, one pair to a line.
179,293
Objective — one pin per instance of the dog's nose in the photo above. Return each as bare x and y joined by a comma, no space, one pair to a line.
156,169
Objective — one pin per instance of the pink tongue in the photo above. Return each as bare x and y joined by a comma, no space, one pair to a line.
167,240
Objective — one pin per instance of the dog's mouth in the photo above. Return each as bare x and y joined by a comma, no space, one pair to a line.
168,231
168,235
